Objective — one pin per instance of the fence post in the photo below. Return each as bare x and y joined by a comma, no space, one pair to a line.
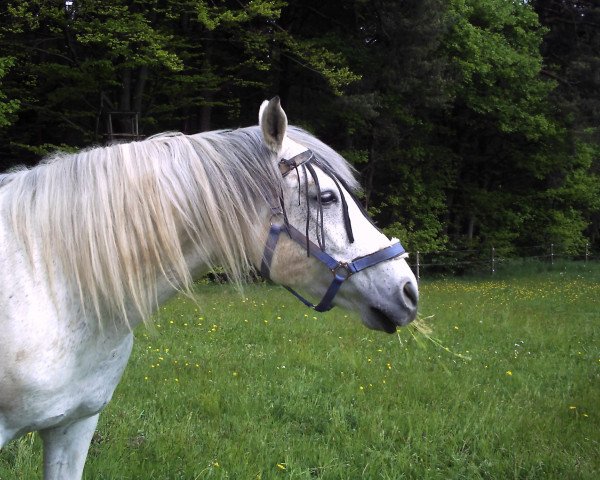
551,254
493,260
587,252
418,272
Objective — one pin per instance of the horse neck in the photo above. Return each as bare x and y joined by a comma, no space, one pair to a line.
150,219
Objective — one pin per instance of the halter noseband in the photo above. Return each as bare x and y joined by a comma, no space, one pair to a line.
341,270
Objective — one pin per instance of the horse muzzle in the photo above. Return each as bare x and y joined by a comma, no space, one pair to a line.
399,311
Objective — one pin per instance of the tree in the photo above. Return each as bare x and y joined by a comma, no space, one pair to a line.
171,62
383,121
7,106
571,50
499,125
71,60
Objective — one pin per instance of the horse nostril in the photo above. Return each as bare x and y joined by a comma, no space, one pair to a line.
411,295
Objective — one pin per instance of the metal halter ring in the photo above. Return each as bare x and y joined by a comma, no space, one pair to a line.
342,266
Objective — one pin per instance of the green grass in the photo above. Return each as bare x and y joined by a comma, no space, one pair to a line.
508,386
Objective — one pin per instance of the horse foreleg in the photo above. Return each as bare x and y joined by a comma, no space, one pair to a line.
66,447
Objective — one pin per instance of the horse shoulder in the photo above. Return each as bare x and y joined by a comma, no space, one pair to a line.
55,365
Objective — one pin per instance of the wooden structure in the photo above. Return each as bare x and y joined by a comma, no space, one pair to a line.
122,126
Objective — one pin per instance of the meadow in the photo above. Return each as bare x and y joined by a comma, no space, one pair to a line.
255,386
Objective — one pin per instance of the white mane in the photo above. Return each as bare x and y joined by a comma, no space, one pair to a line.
116,219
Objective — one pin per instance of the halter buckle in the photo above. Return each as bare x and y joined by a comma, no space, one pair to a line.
286,165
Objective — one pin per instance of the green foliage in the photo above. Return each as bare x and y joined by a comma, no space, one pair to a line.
126,37
46,149
220,13
8,107
495,45
329,64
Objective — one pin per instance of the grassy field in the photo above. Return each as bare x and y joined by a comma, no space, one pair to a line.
507,386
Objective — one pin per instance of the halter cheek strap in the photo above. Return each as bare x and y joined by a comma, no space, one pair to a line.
341,270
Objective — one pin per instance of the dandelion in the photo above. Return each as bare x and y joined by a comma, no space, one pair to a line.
572,407
509,373
281,466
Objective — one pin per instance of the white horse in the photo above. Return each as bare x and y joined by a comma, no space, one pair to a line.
92,243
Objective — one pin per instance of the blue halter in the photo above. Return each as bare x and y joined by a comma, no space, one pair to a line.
341,270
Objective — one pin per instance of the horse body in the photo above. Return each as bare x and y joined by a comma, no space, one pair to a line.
93,243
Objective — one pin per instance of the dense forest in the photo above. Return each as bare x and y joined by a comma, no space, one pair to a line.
473,123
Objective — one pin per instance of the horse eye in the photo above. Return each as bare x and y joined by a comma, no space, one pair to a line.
328,197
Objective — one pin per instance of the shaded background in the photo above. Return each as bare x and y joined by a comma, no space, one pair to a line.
473,123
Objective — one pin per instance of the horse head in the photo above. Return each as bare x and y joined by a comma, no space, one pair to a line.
320,241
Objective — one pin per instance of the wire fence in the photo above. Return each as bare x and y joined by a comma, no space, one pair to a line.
477,260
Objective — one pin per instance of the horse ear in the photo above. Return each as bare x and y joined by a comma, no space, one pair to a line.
273,123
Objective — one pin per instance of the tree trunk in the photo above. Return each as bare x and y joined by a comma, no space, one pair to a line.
205,114
125,102
370,171
140,85
471,227
206,111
